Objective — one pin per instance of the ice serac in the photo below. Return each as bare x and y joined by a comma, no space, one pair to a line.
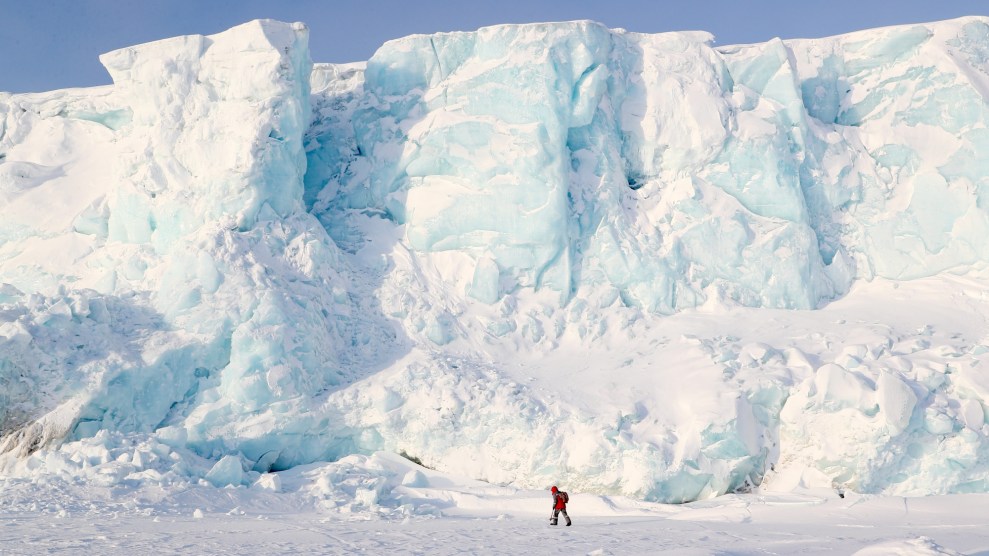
225,113
483,163
204,285
243,266
587,162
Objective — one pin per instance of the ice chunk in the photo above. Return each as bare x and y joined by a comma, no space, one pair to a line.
486,285
973,414
226,472
837,388
414,478
270,482
896,402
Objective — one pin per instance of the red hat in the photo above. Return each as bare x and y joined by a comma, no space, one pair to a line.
554,489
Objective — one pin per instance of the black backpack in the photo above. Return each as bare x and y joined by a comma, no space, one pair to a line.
565,496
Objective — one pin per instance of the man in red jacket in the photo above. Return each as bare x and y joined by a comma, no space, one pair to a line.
560,500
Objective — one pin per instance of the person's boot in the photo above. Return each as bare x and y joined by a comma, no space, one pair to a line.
552,522
568,522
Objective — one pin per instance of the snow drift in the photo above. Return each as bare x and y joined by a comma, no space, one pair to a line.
527,254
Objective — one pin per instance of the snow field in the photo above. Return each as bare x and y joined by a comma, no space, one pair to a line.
305,516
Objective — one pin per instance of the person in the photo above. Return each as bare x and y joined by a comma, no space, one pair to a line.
560,500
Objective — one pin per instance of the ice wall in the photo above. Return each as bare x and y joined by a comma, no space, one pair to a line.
235,253
768,175
572,158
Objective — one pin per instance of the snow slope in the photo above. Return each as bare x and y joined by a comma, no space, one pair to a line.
634,265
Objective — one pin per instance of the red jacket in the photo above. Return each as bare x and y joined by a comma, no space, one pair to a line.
558,503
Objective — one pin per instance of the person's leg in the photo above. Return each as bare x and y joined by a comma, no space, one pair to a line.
555,517
564,512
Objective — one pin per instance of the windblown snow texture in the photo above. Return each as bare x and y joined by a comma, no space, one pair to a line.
475,248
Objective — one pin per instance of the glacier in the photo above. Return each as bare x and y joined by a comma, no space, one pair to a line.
527,254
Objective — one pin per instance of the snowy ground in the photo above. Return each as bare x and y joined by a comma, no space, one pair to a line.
91,499
745,524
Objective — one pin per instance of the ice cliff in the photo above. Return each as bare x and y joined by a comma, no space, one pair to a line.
237,254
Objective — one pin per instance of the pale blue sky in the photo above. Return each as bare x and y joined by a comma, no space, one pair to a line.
50,44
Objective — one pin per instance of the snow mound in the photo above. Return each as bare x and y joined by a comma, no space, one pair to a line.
921,546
